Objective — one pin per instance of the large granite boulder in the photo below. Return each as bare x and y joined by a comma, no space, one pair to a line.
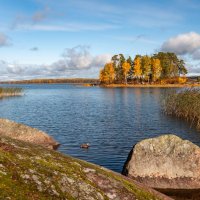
26,133
165,162
29,171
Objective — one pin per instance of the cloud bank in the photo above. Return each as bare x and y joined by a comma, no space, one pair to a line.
79,57
75,62
184,44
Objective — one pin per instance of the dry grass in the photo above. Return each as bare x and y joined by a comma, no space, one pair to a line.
184,104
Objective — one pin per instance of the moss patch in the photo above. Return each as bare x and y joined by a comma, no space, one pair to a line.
29,171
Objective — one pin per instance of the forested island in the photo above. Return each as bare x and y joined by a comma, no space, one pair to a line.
160,68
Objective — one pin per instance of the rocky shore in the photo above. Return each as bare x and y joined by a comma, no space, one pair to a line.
30,171
26,133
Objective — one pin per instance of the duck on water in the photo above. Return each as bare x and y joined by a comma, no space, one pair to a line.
85,146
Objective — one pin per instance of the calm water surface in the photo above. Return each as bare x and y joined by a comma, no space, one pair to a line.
112,120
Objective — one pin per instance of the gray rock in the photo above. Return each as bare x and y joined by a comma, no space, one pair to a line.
165,162
26,133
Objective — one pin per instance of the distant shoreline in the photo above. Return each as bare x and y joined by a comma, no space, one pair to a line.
87,82
54,81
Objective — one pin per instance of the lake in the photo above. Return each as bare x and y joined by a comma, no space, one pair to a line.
112,120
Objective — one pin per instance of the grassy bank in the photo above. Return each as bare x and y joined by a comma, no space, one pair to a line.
7,92
184,104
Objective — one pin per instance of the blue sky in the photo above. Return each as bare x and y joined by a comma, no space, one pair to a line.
74,38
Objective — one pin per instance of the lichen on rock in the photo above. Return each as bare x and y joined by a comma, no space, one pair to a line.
29,171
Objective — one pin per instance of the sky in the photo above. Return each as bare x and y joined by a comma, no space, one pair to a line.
75,38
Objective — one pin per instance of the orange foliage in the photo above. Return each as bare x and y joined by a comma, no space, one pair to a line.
126,68
137,67
156,69
107,74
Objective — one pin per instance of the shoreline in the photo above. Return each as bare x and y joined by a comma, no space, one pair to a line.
150,86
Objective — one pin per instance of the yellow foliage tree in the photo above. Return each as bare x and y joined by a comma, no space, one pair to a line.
107,74
126,68
102,76
137,67
156,69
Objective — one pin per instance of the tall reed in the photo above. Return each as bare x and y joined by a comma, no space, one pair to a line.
5,92
184,104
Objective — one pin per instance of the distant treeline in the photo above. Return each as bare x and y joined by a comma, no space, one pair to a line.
156,68
51,81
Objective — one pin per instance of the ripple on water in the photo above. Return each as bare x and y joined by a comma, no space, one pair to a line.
112,120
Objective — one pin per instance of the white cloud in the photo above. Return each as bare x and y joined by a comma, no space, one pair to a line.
75,62
79,58
69,27
184,44
4,40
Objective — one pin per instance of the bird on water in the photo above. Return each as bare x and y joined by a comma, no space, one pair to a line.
85,146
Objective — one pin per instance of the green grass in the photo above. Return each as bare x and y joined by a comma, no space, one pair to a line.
4,92
184,104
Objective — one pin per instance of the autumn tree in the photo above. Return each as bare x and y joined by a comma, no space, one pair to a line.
156,69
137,67
107,74
103,77
126,68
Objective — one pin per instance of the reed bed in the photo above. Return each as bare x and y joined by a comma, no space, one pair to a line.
6,92
184,104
